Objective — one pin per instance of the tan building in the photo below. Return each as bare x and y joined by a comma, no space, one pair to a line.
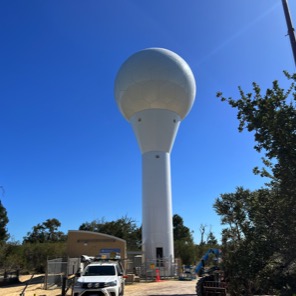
90,243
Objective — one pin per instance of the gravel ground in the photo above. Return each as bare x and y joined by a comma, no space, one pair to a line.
164,288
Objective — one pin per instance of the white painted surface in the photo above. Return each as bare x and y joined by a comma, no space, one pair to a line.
155,89
155,129
157,228
154,78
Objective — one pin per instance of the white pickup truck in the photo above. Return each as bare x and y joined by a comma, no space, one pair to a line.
102,278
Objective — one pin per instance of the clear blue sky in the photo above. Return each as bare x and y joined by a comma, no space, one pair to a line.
66,152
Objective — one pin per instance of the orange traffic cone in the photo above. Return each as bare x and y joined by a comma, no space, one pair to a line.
157,275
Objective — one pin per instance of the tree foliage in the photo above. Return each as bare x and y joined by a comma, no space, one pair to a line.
45,232
43,242
8,256
184,245
3,223
35,256
183,241
211,239
124,228
29,257
272,118
259,240
46,241
207,241
181,232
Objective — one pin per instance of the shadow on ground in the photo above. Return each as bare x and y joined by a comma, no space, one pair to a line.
32,281
35,280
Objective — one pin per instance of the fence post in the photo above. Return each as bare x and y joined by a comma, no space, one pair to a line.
64,284
46,275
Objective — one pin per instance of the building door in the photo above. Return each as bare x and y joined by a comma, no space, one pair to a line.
159,257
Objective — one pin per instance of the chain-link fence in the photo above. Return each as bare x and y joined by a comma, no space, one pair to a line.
163,268
148,270
59,268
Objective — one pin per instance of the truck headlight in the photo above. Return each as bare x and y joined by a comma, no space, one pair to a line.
111,284
77,285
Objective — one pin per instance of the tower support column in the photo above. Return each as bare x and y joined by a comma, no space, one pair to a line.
157,229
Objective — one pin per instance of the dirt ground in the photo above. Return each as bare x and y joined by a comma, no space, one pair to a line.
164,288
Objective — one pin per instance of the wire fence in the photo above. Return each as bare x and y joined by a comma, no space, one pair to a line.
59,268
163,268
148,270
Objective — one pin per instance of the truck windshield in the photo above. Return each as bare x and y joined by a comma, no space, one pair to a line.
99,270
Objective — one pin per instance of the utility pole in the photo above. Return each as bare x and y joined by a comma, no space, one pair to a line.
290,28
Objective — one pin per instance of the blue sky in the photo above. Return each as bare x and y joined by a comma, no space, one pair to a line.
66,152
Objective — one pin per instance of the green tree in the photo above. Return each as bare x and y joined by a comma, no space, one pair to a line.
35,255
183,241
45,232
211,239
181,232
3,223
29,257
205,244
260,236
124,228
272,119
10,257
245,247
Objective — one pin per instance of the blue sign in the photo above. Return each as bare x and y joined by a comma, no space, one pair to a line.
108,251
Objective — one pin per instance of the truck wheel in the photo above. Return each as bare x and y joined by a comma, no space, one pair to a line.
122,291
199,287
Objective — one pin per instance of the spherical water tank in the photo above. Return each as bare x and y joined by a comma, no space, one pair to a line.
154,78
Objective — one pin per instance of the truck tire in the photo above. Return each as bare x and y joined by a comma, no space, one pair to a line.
122,291
199,285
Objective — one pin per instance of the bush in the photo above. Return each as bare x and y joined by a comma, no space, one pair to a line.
29,257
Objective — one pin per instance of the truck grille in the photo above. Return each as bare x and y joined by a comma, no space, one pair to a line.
93,285
88,293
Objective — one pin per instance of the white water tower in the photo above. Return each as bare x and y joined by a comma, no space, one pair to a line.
155,89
